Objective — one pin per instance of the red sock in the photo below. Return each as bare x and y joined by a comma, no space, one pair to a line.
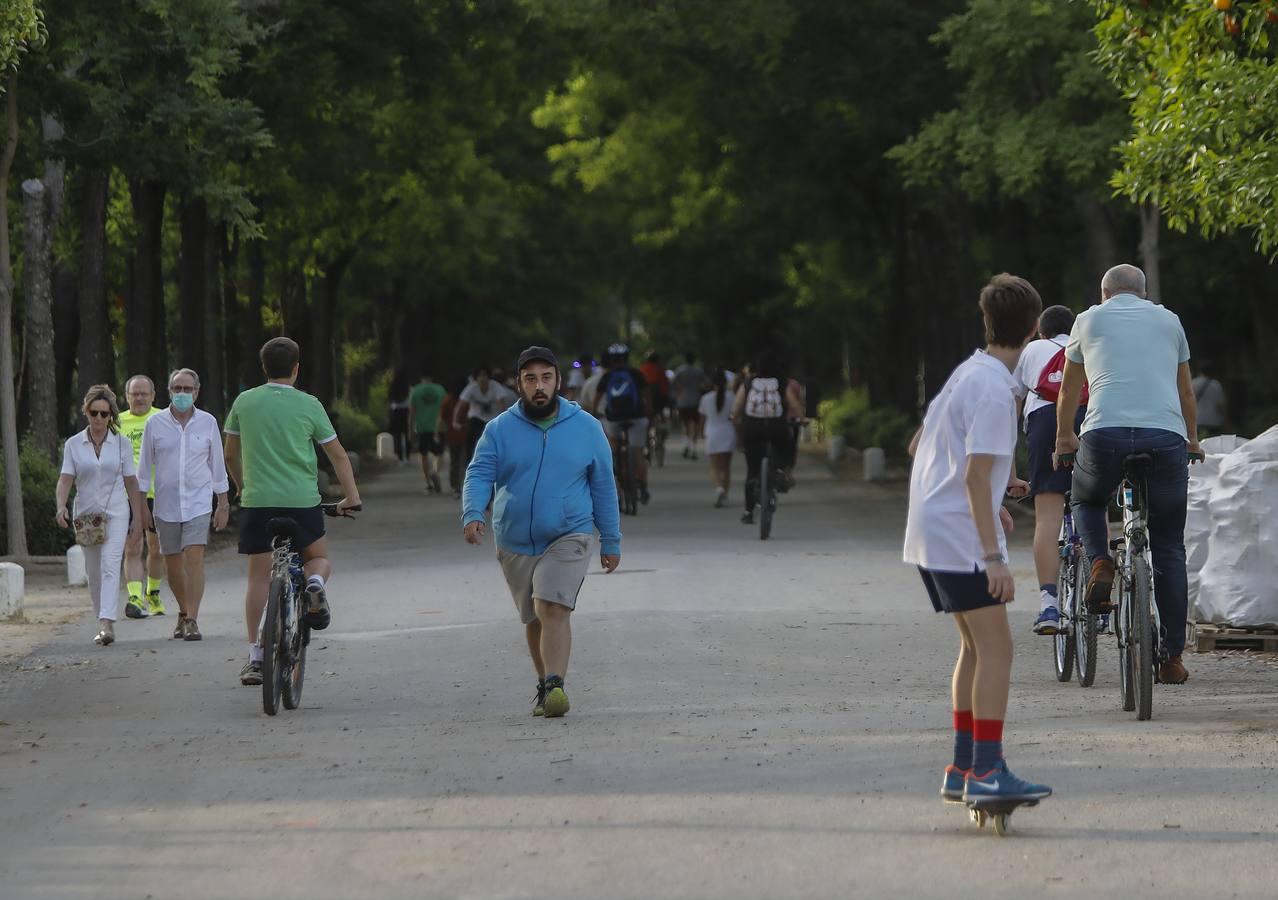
987,730
963,720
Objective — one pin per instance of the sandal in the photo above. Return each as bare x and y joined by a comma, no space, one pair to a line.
104,638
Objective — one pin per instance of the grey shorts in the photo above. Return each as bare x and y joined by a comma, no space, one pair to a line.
556,576
637,433
177,536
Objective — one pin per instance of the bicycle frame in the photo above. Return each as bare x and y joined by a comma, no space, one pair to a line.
1135,543
1070,544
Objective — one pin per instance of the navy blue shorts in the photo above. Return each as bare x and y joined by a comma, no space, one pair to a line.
956,592
1040,434
255,533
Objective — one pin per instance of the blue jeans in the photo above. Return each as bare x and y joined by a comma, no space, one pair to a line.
1098,470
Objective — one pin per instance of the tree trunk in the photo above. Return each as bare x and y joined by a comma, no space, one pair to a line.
41,366
192,285
252,331
66,337
1101,248
320,359
1149,256
213,375
144,315
14,520
96,360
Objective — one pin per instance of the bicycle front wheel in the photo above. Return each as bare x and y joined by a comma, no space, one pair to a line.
1063,658
1144,637
1123,626
297,671
274,653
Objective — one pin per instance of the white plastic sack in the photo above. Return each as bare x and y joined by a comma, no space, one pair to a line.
1237,585
1202,478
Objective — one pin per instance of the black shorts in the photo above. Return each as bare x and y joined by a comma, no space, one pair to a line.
1040,436
255,532
688,414
428,442
953,592
150,504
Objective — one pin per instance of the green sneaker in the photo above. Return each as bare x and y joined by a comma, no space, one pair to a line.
134,609
539,702
157,605
556,703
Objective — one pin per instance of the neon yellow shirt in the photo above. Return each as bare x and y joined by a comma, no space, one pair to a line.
132,427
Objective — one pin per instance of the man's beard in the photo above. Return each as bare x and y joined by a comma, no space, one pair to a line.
533,411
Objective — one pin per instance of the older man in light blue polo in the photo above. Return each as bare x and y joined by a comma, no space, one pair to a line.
1135,357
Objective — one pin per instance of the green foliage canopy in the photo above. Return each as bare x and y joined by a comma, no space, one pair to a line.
21,24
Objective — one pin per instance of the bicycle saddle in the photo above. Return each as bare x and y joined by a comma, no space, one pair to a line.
1138,463
282,527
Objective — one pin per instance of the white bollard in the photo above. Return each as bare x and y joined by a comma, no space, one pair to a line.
12,587
874,463
77,575
837,447
385,445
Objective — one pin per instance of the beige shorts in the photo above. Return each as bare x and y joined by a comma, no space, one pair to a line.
555,576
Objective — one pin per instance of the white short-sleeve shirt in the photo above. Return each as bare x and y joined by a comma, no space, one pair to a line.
99,479
975,413
1034,358
188,464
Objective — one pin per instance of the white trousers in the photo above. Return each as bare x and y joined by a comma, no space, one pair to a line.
102,564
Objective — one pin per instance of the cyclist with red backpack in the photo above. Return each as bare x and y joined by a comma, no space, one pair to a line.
1038,381
626,401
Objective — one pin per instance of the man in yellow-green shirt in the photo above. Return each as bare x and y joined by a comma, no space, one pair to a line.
140,392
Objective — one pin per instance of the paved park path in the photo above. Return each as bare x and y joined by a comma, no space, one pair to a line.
749,720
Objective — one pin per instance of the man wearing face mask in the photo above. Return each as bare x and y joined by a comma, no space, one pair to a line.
550,467
184,445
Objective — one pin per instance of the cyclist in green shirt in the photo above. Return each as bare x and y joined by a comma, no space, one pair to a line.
270,456
426,399
140,392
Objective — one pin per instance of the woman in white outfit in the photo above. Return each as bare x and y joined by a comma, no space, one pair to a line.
721,435
99,462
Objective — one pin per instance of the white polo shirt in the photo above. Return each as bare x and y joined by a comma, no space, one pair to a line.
1034,358
188,464
99,480
975,413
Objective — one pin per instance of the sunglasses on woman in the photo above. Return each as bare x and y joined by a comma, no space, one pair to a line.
100,413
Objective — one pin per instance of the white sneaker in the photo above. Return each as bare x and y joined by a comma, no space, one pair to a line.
720,498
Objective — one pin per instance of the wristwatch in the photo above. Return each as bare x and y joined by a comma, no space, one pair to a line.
994,558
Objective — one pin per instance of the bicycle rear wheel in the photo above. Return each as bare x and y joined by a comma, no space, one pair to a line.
1146,639
273,653
1123,625
297,671
1086,626
767,500
1063,658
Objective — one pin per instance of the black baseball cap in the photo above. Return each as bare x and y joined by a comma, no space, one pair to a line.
532,354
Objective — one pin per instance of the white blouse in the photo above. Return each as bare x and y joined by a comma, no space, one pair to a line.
99,480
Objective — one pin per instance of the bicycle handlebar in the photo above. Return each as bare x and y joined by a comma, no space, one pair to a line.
333,511
1197,457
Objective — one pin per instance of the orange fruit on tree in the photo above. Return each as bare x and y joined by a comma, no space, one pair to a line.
1224,4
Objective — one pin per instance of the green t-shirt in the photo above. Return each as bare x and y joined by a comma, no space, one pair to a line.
276,425
426,400
133,427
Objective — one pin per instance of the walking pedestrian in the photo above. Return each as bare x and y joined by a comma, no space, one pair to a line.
687,386
1038,377
426,399
108,508
721,435
1213,404
400,417
486,398
955,535
450,411
139,391
183,448
555,460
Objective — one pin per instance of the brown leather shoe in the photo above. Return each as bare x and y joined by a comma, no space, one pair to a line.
1100,586
1173,672
179,628
191,631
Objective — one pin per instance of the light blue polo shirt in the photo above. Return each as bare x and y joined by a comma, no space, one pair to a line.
1131,349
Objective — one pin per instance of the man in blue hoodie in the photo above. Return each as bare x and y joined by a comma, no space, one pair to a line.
551,468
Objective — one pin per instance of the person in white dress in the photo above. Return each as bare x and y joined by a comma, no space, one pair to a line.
715,411
98,462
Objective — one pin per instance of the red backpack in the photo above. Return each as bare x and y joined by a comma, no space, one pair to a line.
1049,380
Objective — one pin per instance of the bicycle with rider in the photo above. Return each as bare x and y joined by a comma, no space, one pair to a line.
1134,356
626,402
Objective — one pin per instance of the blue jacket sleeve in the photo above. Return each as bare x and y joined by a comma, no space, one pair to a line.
481,476
603,495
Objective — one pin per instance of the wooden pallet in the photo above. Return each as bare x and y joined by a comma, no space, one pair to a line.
1205,638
